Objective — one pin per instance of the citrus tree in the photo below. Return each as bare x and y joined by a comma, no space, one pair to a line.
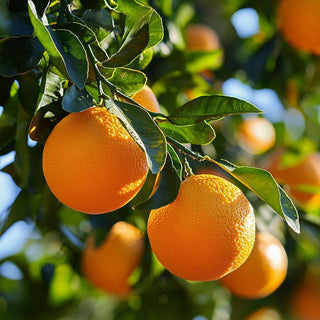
143,179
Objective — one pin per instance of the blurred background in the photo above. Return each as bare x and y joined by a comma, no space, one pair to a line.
41,240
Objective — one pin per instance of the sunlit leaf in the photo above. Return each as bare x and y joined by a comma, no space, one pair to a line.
210,108
263,185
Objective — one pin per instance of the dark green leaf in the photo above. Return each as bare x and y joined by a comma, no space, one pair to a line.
210,108
8,121
167,190
264,186
64,49
5,85
83,32
135,12
128,80
51,89
131,48
13,61
198,133
177,165
144,130
14,25
76,100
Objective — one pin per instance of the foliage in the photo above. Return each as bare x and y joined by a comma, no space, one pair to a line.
59,57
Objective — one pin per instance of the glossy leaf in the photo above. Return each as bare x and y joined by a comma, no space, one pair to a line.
131,48
144,130
13,61
14,25
264,186
129,81
210,108
199,133
167,191
76,99
177,165
134,11
64,49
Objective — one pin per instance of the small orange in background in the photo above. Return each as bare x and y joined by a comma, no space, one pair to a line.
200,37
110,265
147,99
206,232
305,301
256,135
298,21
302,179
263,272
91,163
265,313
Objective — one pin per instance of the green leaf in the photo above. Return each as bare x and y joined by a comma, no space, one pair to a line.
167,191
199,133
83,32
210,108
14,25
64,49
76,99
128,80
177,165
265,187
144,131
51,89
134,12
131,48
13,61
199,61
8,121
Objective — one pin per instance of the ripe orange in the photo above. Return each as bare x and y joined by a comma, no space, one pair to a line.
298,178
109,266
200,37
256,135
147,99
91,163
206,232
298,21
265,313
305,302
263,272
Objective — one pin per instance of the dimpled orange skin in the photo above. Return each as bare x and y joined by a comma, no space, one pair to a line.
263,272
206,232
147,99
91,164
200,37
256,135
304,173
298,21
109,266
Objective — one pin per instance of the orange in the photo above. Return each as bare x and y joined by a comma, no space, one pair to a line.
109,266
298,21
147,99
206,232
91,163
299,178
305,301
200,37
256,135
263,272
265,313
